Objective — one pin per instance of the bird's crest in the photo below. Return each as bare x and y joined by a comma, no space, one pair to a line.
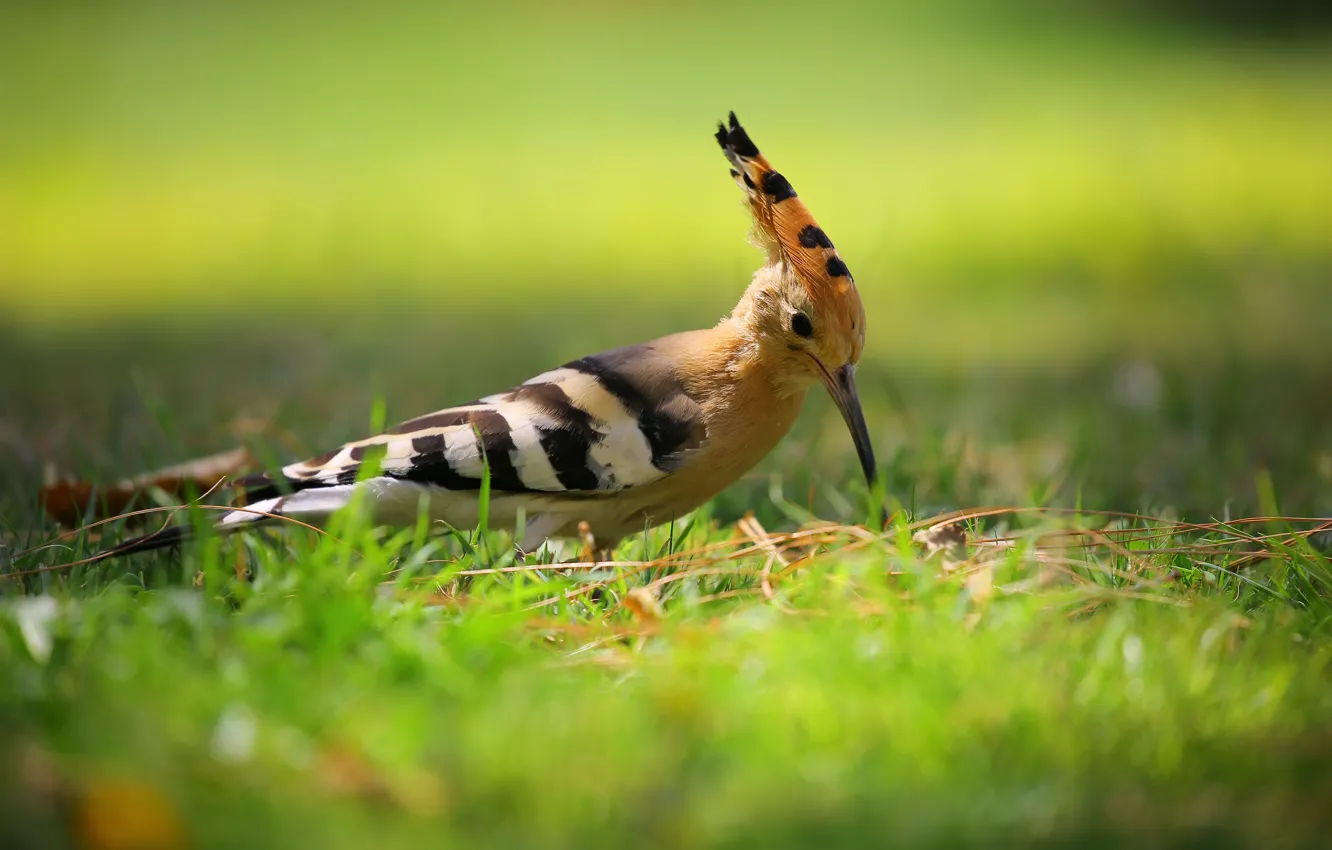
783,225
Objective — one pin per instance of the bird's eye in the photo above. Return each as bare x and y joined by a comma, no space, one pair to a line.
801,325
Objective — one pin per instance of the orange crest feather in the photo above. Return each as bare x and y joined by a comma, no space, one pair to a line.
783,224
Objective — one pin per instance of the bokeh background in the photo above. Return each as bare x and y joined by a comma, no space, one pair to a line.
1093,239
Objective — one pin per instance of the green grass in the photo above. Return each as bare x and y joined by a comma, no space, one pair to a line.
1166,687
357,690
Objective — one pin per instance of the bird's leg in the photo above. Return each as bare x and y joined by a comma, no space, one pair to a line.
537,530
589,553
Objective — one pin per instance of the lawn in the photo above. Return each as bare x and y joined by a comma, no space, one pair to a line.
1094,254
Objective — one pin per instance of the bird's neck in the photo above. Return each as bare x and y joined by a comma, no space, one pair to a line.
743,391
734,356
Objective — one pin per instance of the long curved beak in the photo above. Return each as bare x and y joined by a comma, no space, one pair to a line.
842,387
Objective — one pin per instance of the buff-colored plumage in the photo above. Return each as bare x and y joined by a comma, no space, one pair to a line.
621,440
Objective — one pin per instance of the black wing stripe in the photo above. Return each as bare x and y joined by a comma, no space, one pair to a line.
431,466
441,419
496,443
552,400
568,451
430,463
568,440
665,433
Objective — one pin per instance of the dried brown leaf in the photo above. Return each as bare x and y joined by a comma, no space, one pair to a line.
344,772
126,815
642,602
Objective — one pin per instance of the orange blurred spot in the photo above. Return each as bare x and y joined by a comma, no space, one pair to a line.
118,815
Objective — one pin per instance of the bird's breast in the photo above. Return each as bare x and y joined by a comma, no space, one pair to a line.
739,436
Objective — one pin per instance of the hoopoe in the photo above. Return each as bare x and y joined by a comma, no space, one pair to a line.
625,439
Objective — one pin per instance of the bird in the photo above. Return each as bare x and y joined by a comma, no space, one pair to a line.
618,441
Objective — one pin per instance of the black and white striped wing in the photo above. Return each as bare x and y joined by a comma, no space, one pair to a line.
594,426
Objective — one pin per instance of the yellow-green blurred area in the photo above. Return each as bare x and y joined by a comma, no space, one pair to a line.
1023,181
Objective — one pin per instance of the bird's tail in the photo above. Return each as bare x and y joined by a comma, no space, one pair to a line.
163,538
783,225
260,493
268,498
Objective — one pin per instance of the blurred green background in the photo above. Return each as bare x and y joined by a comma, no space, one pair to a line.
1095,235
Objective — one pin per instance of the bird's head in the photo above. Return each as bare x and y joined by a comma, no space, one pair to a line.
802,312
